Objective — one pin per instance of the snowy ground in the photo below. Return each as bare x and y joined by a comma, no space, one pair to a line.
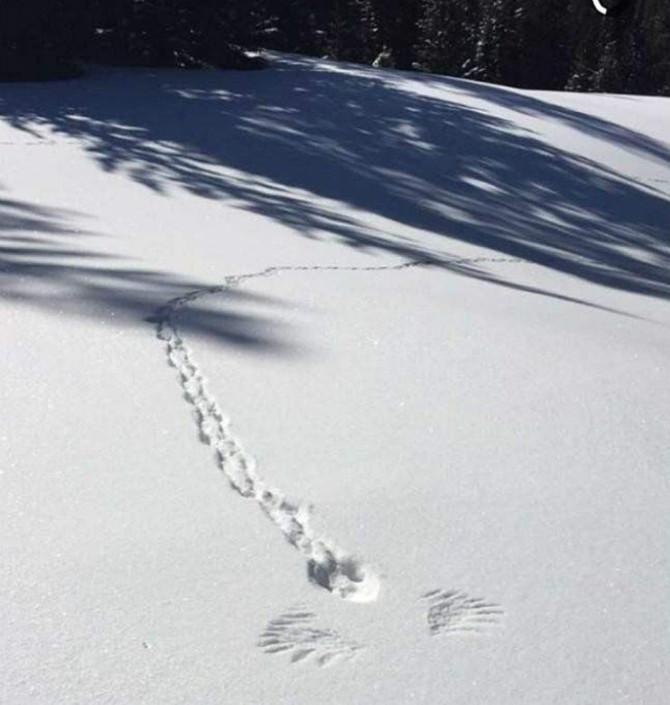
460,492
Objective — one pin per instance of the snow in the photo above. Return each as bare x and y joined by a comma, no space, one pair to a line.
432,313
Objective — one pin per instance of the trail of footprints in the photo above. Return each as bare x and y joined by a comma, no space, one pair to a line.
328,565
295,633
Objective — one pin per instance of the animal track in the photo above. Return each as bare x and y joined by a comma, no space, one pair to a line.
451,611
327,564
294,634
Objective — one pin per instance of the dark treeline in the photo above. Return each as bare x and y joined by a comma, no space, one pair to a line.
553,44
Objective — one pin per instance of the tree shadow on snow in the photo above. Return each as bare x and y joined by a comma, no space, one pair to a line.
364,158
47,261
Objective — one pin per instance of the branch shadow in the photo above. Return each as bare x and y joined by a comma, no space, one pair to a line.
48,262
384,162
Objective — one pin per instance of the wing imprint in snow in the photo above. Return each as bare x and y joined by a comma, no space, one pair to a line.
295,634
451,611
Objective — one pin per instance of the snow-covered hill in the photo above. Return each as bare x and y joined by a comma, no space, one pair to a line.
327,384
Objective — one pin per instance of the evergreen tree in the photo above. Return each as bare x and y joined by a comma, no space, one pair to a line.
447,35
550,44
486,63
396,28
349,35
185,33
296,26
535,51
41,39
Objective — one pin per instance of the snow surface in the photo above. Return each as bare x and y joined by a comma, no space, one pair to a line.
440,394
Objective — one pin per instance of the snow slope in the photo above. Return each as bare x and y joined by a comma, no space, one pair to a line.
324,384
